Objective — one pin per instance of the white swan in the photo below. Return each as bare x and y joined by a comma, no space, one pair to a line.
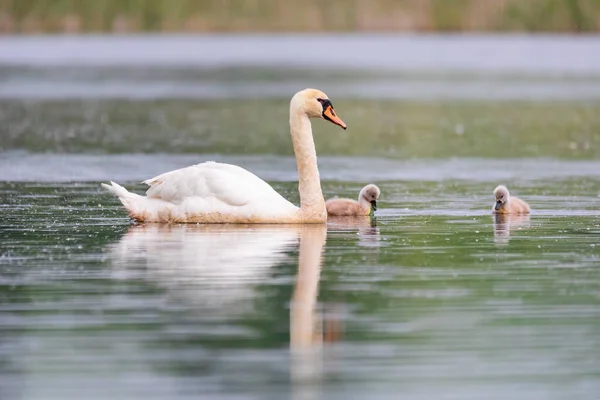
213,192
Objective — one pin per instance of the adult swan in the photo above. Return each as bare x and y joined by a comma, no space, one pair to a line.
213,192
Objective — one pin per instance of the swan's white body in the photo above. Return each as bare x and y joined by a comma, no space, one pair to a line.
207,193
222,193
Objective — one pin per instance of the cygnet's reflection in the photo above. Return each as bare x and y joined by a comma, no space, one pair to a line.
504,223
210,265
368,231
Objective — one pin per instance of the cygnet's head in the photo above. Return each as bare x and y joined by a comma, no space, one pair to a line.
502,196
371,193
315,104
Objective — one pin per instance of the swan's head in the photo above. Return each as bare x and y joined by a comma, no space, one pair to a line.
371,193
316,104
502,196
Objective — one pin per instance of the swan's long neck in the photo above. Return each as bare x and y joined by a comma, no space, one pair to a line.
312,203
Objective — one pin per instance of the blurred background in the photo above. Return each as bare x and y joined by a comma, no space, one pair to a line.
211,16
444,100
170,69
425,78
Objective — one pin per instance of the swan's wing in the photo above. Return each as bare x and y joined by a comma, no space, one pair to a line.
226,183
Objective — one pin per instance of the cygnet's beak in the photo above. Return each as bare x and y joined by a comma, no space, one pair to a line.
374,204
498,204
330,115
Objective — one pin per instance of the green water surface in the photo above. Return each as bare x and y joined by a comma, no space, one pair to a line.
432,298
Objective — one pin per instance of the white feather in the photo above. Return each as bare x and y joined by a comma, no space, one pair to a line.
203,191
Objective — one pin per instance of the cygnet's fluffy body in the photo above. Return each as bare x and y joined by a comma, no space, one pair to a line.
507,204
367,200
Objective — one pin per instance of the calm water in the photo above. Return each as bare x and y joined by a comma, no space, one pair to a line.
432,299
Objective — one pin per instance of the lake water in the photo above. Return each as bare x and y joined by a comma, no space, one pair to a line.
433,298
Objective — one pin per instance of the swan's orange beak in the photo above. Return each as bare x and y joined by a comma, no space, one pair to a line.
330,115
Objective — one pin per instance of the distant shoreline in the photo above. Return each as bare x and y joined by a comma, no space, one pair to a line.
260,16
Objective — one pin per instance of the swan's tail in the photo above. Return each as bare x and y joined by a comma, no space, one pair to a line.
118,190
129,200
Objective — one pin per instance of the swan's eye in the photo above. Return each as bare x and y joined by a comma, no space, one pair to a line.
325,103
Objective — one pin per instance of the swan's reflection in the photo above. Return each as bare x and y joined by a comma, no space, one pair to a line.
231,260
226,261
306,332
504,223
211,265
368,231
304,329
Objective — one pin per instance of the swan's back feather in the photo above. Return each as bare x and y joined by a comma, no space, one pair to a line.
226,183
207,193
